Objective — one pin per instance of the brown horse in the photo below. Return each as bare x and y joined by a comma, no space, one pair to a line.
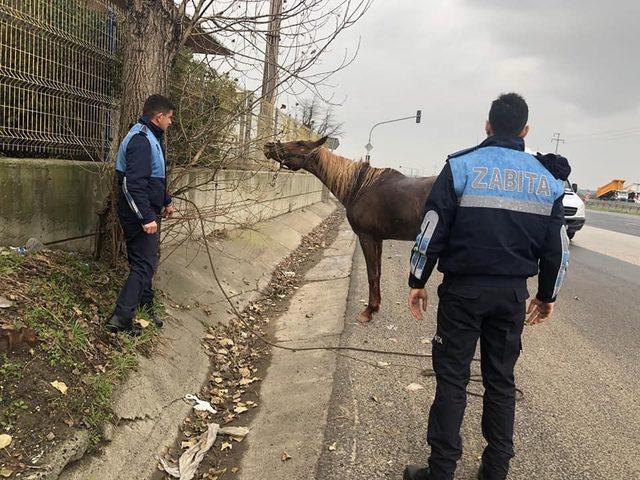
381,203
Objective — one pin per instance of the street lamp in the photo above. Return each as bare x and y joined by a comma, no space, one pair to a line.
369,146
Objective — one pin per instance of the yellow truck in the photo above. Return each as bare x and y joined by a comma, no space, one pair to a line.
613,191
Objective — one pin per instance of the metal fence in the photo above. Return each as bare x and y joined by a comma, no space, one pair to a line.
59,85
58,71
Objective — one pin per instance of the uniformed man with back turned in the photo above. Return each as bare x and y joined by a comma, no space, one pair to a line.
493,218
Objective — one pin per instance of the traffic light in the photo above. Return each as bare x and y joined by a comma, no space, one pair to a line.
418,116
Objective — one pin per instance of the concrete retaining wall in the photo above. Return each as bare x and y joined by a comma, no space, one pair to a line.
48,199
245,197
54,200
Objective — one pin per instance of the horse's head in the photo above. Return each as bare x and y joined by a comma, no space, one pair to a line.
292,155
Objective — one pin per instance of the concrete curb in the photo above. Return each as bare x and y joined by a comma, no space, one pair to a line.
149,407
296,392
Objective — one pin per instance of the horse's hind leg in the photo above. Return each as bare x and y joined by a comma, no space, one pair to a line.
372,250
378,261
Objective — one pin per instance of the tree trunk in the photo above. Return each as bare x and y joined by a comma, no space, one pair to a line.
151,41
148,51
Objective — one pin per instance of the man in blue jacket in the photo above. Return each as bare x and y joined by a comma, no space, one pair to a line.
142,199
493,219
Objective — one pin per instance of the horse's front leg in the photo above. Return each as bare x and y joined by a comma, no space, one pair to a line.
372,250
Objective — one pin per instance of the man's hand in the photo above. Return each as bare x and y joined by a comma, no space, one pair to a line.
539,311
150,228
168,211
418,300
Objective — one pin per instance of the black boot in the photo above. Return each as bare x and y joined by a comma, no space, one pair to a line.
158,322
414,472
120,324
148,308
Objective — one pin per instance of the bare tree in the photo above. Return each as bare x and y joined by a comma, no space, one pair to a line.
229,39
320,118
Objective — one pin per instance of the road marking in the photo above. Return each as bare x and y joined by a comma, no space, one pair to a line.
613,244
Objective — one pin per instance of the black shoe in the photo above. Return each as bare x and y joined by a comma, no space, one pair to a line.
158,322
120,324
414,472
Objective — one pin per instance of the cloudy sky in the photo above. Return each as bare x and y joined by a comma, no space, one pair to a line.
575,61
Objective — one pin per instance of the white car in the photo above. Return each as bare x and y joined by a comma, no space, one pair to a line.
574,210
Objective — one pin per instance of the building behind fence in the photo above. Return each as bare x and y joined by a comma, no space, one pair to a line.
59,73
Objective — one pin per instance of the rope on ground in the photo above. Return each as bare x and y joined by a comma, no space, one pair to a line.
239,316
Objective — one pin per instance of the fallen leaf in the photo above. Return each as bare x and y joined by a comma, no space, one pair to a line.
248,381
333,446
240,409
60,386
236,433
375,399
226,446
413,387
5,303
77,311
6,472
142,322
383,364
285,456
189,443
234,470
245,372
5,440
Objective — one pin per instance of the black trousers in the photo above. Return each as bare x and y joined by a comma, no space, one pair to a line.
496,317
142,253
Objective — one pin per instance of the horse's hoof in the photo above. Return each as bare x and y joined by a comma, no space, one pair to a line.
365,317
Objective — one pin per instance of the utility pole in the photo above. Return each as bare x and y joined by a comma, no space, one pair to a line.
270,75
556,138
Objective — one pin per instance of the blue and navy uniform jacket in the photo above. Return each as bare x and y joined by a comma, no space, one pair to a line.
495,217
141,172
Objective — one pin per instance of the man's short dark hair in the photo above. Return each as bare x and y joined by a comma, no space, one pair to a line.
509,114
157,103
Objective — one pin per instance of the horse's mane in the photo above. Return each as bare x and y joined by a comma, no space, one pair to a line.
341,174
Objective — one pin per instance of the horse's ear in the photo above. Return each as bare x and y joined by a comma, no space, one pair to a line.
320,142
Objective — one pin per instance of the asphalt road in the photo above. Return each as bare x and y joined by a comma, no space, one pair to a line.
580,374
617,222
